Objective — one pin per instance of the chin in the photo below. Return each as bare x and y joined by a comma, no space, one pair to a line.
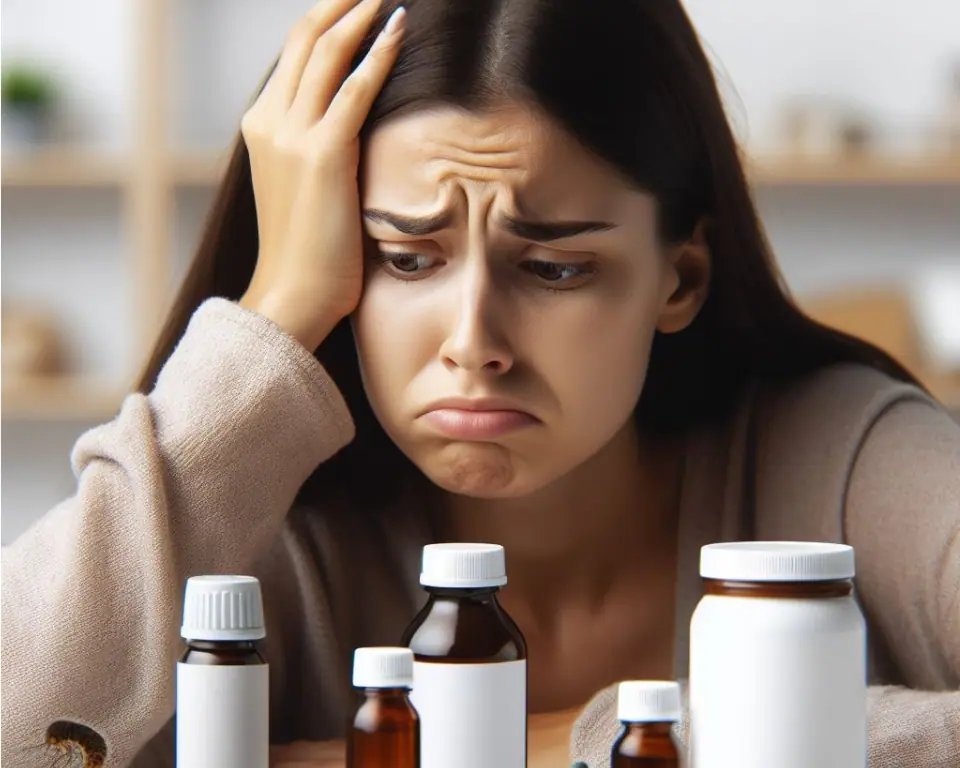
480,470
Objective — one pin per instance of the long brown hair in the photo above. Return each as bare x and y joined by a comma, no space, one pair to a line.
630,80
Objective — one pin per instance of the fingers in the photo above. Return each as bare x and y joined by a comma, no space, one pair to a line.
282,87
329,63
351,105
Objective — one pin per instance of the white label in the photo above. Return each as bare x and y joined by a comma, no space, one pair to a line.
223,716
471,715
777,682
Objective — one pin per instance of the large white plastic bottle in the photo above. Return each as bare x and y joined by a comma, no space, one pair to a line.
777,658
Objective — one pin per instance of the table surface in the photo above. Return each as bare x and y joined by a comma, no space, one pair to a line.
548,739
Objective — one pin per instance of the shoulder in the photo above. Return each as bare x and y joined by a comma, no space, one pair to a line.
811,432
844,395
834,408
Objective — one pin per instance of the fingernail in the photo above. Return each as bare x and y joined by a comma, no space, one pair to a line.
394,22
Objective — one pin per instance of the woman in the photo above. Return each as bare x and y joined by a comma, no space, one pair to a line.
545,315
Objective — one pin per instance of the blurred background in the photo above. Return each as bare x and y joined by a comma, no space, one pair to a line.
116,115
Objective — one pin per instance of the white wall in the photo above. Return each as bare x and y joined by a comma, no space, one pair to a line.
828,239
889,57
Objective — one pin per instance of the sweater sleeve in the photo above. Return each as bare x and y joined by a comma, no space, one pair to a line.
194,478
902,516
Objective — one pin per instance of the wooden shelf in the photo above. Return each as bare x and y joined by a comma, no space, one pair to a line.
60,398
64,167
77,168
785,170
202,168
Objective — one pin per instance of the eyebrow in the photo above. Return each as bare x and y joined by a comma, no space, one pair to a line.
536,231
409,225
546,231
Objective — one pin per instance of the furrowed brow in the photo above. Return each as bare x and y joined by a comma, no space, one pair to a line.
547,231
409,225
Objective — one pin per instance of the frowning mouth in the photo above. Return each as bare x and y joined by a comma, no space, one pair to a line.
477,419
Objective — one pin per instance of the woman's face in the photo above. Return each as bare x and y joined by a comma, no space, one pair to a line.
510,304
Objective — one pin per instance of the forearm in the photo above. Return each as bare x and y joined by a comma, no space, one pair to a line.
196,477
913,729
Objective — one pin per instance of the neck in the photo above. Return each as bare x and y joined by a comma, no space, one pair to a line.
616,512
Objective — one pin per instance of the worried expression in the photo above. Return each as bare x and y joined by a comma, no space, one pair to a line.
512,292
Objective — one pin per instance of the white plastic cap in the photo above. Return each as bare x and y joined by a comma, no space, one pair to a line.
222,608
463,566
777,561
383,668
648,701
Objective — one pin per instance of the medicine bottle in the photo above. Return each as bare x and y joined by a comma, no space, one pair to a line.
470,667
385,731
777,641
647,710
222,715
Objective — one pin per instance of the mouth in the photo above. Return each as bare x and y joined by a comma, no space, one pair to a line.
477,419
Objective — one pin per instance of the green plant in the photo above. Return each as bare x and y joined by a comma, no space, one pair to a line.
25,85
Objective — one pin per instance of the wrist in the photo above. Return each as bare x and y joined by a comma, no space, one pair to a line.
295,316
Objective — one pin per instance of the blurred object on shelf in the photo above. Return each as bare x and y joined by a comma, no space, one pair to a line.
935,302
886,316
855,135
31,342
28,93
824,127
808,129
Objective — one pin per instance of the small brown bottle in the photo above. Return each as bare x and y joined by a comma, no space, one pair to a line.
470,668
222,711
385,731
647,709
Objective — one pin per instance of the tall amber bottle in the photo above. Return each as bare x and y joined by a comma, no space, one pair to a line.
470,668
385,731
647,709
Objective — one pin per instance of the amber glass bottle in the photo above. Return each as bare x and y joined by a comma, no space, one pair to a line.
470,668
647,710
385,730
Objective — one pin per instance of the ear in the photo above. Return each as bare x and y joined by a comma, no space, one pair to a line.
686,281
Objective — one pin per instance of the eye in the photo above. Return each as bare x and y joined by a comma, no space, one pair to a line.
560,275
405,264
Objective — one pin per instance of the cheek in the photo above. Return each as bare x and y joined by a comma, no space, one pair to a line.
602,352
388,346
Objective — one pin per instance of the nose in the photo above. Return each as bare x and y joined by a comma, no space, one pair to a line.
476,342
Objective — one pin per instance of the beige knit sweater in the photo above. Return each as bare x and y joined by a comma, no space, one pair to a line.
200,477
